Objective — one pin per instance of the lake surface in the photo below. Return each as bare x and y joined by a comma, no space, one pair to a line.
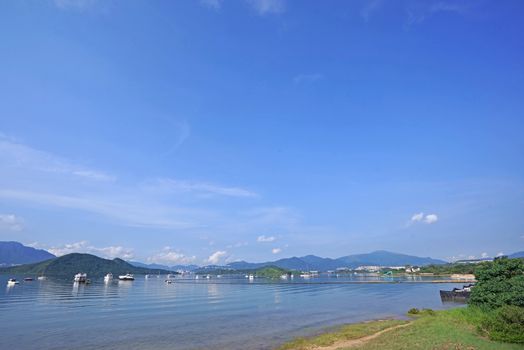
225,313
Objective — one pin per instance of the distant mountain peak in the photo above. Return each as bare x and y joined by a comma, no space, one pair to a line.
15,253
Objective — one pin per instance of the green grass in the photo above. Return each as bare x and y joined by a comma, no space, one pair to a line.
346,332
455,329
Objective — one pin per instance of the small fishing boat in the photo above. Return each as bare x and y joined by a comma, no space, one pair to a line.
147,276
283,277
169,281
108,277
80,278
457,294
126,277
196,277
28,279
42,278
251,277
12,282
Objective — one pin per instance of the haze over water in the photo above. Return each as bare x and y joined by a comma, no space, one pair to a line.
219,313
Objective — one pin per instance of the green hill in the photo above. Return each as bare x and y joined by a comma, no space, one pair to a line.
68,265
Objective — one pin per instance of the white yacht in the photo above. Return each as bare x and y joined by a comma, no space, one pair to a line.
126,277
81,277
108,277
251,277
42,278
12,282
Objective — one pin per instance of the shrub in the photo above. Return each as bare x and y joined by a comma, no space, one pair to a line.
505,324
413,311
499,283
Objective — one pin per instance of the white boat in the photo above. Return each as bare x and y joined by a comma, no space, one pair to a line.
196,277
81,277
147,276
126,277
251,277
42,278
208,276
12,282
108,277
283,277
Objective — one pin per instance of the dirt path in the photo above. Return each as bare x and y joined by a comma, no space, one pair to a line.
356,342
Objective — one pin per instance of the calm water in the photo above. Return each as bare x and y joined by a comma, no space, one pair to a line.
218,313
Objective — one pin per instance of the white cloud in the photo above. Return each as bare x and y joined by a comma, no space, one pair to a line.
168,256
484,255
417,217
173,185
264,7
212,4
500,254
11,222
276,250
428,219
216,257
109,252
264,239
308,78
431,218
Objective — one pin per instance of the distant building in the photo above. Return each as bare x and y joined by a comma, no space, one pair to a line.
368,268
473,261
412,269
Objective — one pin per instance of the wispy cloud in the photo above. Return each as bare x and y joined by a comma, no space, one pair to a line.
307,78
265,239
204,188
418,12
266,7
369,8
276,250
212,4
18,155
427,219
11,222
169,256
216,257
129,211
78,5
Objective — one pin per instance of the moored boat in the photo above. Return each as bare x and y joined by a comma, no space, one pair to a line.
12,282
108,277
457,294
42,278
126,277
28,279
81,277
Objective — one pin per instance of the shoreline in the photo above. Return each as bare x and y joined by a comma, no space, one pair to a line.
447,329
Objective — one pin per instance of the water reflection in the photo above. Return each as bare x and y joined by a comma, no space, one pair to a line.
234,313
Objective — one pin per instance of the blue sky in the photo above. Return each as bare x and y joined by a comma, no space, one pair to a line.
214,131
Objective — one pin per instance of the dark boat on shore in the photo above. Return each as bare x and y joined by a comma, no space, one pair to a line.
457,294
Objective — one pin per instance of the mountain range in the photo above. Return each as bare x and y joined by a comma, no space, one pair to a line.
14,253
312,262
68,265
